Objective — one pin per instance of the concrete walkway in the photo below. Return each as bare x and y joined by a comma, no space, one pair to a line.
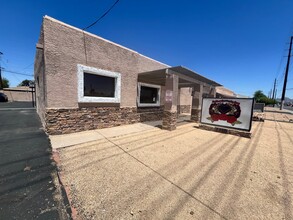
67,140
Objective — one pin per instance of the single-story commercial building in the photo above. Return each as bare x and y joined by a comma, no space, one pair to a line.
86,82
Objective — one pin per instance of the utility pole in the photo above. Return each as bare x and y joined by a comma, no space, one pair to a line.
1,82
273,97
286,76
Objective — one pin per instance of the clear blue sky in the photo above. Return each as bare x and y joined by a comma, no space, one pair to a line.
240,44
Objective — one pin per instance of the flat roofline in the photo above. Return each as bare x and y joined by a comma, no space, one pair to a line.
100,38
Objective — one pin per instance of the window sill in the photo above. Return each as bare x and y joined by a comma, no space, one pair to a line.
89,99
148,105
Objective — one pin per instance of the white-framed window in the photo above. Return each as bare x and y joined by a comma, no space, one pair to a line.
149,95
97,85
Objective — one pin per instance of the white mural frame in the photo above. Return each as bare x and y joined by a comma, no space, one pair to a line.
239,115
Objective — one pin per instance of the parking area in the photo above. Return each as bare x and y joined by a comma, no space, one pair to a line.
184,174
29,186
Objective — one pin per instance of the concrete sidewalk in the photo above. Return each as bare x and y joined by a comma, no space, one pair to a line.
67,140
277,110
275,114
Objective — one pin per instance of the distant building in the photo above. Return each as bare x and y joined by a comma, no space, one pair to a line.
18,94
243,96
86,82
222,92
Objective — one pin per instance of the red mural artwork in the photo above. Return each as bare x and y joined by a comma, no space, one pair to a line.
225,110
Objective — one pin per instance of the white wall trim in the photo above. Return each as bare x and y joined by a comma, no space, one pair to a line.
157,104
80,76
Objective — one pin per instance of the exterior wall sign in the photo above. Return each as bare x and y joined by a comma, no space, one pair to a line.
231,113
169,96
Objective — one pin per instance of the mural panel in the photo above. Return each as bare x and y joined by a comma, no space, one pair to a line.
232,113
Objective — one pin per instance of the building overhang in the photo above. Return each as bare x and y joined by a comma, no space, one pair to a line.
187,77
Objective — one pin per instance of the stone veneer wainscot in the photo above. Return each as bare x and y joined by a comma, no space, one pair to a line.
64,121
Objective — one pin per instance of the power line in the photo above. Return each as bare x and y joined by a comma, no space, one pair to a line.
10,71
102,15
28,66
279,67
286,75
14,75
281,77
3,63
282,59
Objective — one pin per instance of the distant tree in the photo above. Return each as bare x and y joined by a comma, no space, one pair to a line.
25,82
5,83
260,97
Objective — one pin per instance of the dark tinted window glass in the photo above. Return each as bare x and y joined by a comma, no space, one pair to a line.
98,86
148,94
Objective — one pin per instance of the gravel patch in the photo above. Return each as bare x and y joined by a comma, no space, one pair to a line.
188,173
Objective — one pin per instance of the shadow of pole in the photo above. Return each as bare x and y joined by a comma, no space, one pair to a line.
231,176
287,200
287,134
168,170
150,136
237,191
188,194
200,182
123,151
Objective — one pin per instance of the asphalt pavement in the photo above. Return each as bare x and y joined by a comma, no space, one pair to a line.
29,186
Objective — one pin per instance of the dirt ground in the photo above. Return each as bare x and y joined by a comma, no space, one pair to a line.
184,174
